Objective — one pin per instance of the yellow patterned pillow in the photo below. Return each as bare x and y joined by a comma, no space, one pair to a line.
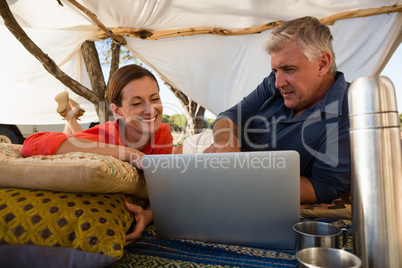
41,227
72,172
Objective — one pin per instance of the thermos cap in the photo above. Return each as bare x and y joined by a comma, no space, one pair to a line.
372,103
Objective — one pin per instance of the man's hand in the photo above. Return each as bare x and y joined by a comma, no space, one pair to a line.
216,148
142,218
225,137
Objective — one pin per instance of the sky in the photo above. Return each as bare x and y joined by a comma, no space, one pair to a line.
393,70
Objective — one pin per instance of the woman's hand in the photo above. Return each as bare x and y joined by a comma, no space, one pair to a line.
135,159
142,217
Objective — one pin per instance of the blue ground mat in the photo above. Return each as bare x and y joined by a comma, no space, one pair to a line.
151,251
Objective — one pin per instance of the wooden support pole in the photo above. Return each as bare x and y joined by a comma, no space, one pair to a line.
97,22
154,35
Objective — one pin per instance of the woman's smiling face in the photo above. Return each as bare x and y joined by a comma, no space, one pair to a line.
141,107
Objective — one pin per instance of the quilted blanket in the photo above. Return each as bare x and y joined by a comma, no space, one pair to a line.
151,251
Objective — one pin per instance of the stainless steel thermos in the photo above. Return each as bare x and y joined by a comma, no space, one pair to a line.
376,172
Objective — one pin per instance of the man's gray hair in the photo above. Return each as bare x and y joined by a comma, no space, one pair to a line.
311,35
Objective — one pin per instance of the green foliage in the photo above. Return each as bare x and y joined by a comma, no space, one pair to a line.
165,118
177,122
400,121
208,123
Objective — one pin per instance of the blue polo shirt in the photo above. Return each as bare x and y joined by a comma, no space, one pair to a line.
320,134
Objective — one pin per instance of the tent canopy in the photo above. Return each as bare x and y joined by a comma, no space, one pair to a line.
215,71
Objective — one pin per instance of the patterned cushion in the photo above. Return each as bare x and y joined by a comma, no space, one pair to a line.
41,228
72,172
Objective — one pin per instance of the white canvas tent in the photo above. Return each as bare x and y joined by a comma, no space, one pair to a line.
215,71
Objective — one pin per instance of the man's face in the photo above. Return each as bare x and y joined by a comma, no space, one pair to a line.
299,80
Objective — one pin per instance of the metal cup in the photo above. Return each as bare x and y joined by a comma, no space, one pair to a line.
319,234
327,257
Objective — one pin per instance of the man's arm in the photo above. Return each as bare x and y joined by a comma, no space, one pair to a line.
307,193
225,137
226,140
330,175
226,127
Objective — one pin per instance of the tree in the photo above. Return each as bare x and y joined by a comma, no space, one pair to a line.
105,49
400,121
177,122
165,118
208,123
193,111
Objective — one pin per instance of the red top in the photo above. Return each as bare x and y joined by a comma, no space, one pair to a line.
47,143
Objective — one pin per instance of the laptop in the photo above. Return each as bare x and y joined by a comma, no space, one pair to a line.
247,198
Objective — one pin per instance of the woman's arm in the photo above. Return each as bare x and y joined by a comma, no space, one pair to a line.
73,144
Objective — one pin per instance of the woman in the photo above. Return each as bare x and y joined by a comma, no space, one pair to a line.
135,100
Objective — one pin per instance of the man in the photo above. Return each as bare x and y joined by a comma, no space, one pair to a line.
302,105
